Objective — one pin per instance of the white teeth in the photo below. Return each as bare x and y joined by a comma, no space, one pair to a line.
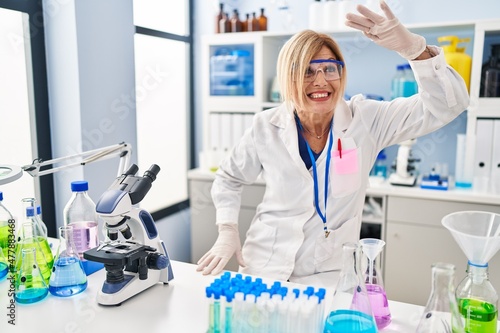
319,95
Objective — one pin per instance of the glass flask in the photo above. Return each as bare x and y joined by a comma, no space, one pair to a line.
30,238
372,274
31,202
350,310
477,300
441,312
68,277
30,286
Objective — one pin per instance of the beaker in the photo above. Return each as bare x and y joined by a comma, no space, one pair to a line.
441,312
351,310
30,286
29,238
372,274
68,277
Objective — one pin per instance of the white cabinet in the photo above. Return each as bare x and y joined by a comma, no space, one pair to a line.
416,239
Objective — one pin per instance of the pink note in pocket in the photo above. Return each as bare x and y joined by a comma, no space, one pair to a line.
348,164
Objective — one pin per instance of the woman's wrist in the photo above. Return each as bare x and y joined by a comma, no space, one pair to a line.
426,54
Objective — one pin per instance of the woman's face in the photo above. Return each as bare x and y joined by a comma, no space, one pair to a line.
321,91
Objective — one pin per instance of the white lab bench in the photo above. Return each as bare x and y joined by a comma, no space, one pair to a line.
178,307
411,226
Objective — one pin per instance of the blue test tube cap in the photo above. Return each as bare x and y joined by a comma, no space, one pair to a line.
258,280
283,291
309,291
296,291
238,276
248,279
217,292
226,276
1,196
229,296
208,292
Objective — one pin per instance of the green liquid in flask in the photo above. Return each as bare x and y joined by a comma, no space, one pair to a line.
45,259
480,316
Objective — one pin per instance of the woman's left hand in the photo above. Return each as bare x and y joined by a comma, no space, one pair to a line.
387,31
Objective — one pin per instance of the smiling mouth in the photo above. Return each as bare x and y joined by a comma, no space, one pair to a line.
318,95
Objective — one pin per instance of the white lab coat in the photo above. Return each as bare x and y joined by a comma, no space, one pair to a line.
286,238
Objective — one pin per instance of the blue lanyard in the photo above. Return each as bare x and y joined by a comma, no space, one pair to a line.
315,177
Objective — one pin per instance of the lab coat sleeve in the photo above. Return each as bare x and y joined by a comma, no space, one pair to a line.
241,167
442,96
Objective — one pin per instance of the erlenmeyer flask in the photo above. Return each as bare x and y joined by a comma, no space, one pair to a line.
350,310
4,266
372,275
28,238
30,287
31,202
441,312
68,277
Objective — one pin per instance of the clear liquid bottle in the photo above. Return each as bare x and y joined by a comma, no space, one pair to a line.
30,286
68,276
408,84
441,311
477,300
351,310
80,213
7,228
395,82
30,237
370,265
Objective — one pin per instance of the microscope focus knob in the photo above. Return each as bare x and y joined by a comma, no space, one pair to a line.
157,261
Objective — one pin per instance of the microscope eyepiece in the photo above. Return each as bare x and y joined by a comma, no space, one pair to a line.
152,172
132,170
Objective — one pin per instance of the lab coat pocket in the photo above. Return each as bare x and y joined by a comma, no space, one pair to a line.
259,245
345,171
328,251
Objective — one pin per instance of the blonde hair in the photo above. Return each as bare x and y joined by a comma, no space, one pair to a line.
294,59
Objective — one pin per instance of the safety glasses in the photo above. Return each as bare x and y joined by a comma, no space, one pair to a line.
332,69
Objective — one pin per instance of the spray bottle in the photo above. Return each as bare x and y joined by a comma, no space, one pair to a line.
456,57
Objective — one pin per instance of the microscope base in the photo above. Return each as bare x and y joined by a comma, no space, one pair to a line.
130,287
396,179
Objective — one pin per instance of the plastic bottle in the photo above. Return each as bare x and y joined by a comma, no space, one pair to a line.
395,82
219,17
490,74
316,15
456,56
331,15
80,213
262,21
478,300
441,311
380,167
408,85
7,228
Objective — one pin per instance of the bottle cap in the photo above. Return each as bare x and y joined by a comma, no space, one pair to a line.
79,186
30,211
1,195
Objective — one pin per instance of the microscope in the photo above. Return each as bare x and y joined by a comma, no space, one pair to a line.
405,174
134,256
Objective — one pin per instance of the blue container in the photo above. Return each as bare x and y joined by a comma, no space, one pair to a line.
232,70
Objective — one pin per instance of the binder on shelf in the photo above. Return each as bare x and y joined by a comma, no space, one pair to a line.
237,127
226,133
215,141
482,160
495,158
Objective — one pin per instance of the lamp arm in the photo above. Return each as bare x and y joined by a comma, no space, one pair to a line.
123,150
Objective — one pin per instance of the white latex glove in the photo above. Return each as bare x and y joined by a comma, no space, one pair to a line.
387,31
227,243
